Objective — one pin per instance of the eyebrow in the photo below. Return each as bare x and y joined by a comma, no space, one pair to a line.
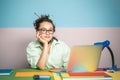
46,29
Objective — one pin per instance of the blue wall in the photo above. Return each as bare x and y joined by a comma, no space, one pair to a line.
65,13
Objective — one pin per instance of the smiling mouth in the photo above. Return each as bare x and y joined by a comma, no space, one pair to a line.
47,36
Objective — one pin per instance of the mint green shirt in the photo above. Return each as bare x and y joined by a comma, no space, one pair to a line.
58,56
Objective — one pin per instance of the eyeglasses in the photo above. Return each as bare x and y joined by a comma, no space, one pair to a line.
44,31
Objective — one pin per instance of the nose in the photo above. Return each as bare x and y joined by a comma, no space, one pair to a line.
47,32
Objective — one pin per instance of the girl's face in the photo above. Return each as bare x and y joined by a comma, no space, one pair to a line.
46,30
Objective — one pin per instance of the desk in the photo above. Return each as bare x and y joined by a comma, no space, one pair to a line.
13,77
115,75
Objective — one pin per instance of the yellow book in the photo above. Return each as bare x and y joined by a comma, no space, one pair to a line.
26,74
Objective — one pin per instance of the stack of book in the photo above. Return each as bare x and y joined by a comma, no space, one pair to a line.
86,76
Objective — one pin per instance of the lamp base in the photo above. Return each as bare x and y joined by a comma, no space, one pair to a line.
113,68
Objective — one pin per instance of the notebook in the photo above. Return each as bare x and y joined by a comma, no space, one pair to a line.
5,72
84,58
87,76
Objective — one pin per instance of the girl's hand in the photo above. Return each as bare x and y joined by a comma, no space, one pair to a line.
41,39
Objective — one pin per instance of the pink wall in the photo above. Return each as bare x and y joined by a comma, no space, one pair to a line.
13,43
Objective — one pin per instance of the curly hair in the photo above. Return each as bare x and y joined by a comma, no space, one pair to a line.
41,19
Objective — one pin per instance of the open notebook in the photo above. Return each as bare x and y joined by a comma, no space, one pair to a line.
84,58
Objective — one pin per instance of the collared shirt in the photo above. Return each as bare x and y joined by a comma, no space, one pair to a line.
58,56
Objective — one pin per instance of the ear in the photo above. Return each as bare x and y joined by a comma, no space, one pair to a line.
37,34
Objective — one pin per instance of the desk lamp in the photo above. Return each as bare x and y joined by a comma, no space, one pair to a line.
106,44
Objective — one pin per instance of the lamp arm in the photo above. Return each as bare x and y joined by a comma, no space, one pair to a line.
112,56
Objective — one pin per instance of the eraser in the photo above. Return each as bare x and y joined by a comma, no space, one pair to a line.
44,77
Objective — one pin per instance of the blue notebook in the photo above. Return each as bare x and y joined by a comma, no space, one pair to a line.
5,71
